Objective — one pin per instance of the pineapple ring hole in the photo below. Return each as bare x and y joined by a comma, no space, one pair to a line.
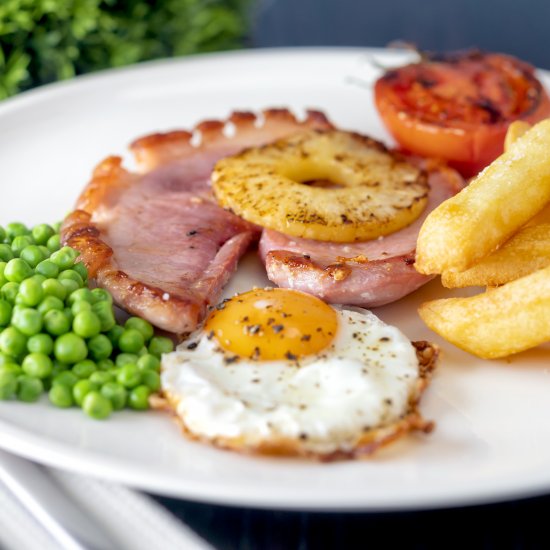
318,173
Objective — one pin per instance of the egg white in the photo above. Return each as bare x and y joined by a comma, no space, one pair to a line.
364,380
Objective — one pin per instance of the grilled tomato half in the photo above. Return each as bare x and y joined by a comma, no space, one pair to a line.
457,106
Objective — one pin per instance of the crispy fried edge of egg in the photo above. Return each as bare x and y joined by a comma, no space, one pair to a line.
366,444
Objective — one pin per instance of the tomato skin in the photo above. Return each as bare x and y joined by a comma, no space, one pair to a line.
459,107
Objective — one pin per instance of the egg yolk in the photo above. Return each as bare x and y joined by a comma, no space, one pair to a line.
271,324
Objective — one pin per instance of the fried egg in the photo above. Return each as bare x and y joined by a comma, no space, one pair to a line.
279,371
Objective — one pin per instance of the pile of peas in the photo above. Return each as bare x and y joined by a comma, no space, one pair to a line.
59,336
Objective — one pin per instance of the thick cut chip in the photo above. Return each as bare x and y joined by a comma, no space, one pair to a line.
505,196
515,131
323,185
497,323
527,251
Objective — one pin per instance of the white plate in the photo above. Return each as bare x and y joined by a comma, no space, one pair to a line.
493,435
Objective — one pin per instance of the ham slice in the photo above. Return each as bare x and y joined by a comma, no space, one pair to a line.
366,274
156,239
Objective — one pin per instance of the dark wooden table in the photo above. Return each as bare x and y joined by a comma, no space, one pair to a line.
518,525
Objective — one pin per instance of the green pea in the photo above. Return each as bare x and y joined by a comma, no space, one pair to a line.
12,342
84,369
129,376
3,279
72,275
80,306
126,359
9,292
96,406
114,334
139,398
86,324
38,277
52,287
48,269
6,253
148,362
131,341
41,233
8,385
81,269
57,226
27,320
142,351
19,301
2,234
49,303
56,323
31,292
142,325
14,368
65,378
101,377
5,313
101,295
63,258
69,284
116,394
58,368
81,295
61,396
17,270
100,347
45,250
70,348
68,312
16,229
40,343
29,388
20,243
81,389
104,310
6,359
151,379
54,243
32,255
105,364
37,365
159,345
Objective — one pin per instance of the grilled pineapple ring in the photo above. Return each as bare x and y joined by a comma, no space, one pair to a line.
324,185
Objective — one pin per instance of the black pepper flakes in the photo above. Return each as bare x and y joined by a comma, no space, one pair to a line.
290,356
277,328
231,359
192,345
306,338
192,233
253,329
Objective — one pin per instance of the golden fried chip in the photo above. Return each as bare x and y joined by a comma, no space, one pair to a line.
527,251
497,323
501,199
